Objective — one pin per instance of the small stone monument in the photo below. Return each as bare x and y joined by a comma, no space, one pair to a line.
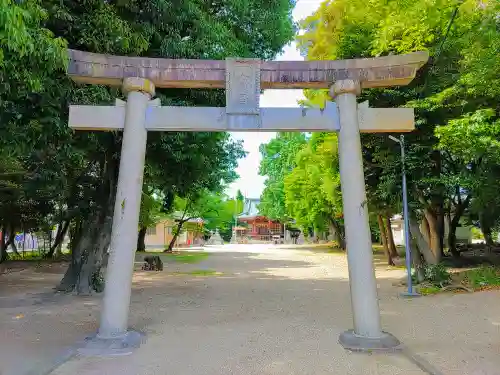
215,239
234,237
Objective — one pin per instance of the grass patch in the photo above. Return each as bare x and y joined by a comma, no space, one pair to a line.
429,290
37,257
185,257
438,280
399,266
483,277
200,273
335,250
377,248
190,257
26,256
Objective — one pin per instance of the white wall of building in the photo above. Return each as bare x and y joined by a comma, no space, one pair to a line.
464,234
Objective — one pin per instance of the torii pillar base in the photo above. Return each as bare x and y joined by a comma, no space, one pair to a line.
96,346
385,343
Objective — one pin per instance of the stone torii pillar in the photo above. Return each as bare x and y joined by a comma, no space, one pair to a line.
116,301
113,337
367,333
243,80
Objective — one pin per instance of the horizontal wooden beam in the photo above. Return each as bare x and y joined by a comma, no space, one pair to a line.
395,70
371,120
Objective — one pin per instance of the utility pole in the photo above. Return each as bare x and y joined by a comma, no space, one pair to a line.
235,217
410,292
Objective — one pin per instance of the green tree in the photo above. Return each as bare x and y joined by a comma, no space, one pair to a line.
312,188
239,196
24,43
278,160
205,205
224,218
152,211
79,171
473,143
461,38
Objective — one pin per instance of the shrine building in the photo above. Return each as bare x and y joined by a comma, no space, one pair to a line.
254,227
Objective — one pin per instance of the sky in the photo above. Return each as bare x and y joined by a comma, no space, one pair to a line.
250,183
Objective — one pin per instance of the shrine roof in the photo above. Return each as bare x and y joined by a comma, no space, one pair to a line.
250,218
178,215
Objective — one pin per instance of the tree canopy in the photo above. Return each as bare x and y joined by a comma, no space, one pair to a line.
452,155
52,175
278,159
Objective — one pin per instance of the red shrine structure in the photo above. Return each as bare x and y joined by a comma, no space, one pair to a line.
254,227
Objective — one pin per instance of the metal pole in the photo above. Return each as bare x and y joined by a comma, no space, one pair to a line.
406,220
235,218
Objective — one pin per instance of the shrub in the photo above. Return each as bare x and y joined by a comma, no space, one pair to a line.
97,281
437,275
477,234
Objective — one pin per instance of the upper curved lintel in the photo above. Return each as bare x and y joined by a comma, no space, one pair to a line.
394,70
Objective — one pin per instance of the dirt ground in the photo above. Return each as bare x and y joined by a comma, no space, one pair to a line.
262,310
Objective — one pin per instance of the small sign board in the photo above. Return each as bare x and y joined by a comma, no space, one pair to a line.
243,94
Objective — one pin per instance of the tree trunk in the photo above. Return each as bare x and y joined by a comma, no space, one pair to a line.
454,222
422,245
58,252
12,240
91,266
50,235
487,231
383,237
440,227
416,258
452,236
488,238
13,246
170,247
80,240
87,252
141,245
62,229
424,227
338,232
390,238
75,232
91,242
340,238
434,234
4,255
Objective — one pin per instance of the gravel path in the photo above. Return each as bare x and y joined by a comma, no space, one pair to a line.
275,310
272,311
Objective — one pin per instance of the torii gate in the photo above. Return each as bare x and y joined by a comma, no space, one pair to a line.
243,80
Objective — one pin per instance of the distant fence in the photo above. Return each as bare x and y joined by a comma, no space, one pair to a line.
31,241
